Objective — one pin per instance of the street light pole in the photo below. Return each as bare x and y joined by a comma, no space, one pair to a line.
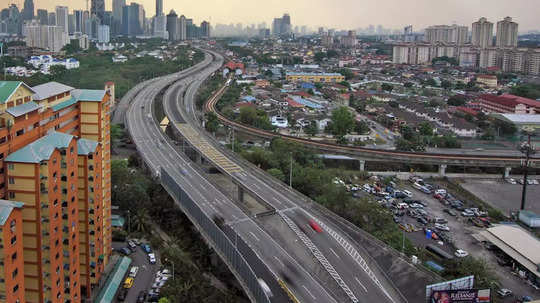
527,149
290,173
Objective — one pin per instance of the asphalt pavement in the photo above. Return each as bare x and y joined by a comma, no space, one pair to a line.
146,275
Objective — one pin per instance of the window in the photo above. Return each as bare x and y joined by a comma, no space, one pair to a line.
11,166
14,273
20,132
15,288
71,150
90,156
11,180
3,140
11,195
12,225
2,156
13,239
13,257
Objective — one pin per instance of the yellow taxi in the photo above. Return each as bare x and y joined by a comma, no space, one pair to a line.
128,283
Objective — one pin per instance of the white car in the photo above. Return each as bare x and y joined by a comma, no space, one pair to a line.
460,253
535,182
416,205
152,258
511,181
133,271
158,285
407,193
441,192
442,227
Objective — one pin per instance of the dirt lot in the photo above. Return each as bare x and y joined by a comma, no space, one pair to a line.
504,196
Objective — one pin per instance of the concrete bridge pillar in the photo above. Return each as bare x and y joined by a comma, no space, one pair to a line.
240,194
362,165
442,170
198,158
507,171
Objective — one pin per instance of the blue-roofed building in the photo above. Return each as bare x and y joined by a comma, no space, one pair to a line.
306,102
307,86
249,98
41,149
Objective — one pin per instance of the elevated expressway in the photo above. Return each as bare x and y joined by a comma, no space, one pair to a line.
289,212
506,159
278,245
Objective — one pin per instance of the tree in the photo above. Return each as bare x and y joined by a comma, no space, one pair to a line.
342,121
312,129
58,70
248,115
163,300
277,173
347,73
456,100
387,87
332,53
460,85
319,56
446,84
431,82
425,129
408,84
212,122
393,104
361,127
530,90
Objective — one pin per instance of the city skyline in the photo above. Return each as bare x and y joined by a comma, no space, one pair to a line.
389,13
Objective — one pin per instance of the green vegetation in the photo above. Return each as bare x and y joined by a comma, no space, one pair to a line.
255,117
387,87
452,61
312,178
529,90
210,86
212,122
457,100
145,202
97,68
422,136
342,122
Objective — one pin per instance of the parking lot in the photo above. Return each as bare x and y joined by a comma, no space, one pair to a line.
146,274
504,196
458,234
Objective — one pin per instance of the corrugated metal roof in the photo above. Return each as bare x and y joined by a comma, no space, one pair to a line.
40,149
23,109
89,94
64,104
517,243
50,89
85,146
113,282
6,207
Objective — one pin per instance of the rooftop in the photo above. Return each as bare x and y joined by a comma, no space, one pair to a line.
23,109
41,149
86,147
89,94
510,100
50,89
6,207
521,119
313,74
7,88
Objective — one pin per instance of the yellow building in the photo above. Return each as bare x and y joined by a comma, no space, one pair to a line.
315,77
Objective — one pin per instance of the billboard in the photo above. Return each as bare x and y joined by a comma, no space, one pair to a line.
461,284
461,296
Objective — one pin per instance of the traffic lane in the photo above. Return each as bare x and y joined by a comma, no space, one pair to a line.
300,282
349,270
145,276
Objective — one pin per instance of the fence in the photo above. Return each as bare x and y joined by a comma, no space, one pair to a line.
221,243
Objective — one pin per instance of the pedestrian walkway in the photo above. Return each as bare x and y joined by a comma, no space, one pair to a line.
113,282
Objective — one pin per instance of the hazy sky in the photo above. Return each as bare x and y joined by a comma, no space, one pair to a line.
342,14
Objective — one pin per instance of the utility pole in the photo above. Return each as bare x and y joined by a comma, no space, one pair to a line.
290,172
527,149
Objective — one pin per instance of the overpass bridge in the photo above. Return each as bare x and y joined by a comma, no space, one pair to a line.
278,246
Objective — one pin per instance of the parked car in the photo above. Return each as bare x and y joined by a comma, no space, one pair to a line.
122,294
146,248
315,226
442,227
152,258
133,271
460,253
142,296
416,205
128,283
450,212
132,245
467,214
535,182
504,292
441,192
407,193
511,181
422,220
126,251
441,220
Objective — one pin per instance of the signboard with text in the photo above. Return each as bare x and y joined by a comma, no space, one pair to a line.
461,296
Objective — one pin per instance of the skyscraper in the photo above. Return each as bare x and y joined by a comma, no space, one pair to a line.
62,17
482,33
172,25
52,18
98,8
447,34
276,26
205,29
79,22
182,28
159,7
286,27
117,7
507,33
43,16
133,19
28,10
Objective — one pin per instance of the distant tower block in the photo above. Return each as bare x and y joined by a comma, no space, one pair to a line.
109,87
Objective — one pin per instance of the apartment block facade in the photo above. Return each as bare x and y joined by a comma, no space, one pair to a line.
11,252
55,159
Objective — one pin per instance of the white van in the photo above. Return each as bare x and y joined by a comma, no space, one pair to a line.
407,193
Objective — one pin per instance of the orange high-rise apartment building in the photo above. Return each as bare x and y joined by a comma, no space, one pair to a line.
55,162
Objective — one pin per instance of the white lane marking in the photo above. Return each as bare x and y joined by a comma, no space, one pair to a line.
358,280
279,261
334,252
253,235
309,292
